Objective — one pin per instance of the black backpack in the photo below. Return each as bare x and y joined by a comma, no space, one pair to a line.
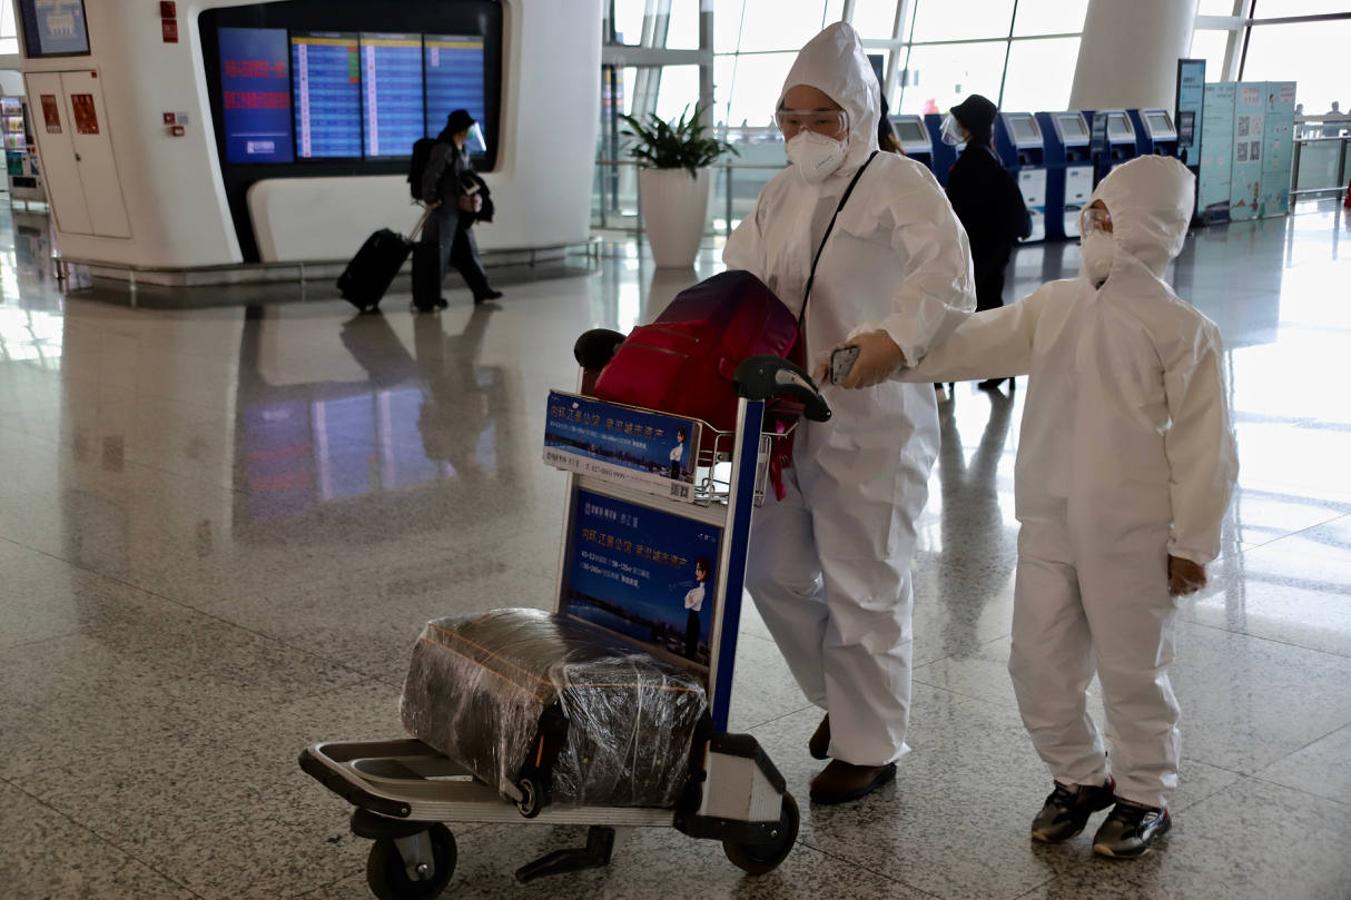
417,165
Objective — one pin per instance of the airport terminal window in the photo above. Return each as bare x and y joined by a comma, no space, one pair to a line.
942,75
875,18
1049,17
1303,52
944,20
769,25
1209,44
1267,9
1040,73
9,28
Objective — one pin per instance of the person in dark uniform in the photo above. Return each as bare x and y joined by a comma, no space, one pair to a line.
986,199
447,238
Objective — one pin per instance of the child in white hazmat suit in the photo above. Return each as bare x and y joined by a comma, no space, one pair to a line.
1125,468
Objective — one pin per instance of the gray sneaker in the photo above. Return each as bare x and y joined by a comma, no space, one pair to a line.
1130,830
1067,809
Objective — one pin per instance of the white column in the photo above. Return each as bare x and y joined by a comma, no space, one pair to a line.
1129,53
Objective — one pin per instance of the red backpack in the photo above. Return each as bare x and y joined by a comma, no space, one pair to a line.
683,362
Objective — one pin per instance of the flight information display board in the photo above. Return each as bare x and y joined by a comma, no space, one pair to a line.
391,66
454,66
256,95
326,85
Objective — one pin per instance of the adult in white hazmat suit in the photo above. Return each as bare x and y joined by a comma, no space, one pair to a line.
1125,469
830,563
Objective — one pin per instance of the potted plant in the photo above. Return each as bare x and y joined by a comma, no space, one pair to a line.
674,182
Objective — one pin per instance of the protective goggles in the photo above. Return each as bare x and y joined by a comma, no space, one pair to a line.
1094,218
952,131
828,122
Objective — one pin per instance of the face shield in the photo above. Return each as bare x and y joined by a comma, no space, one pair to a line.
952,133
476,142
831,123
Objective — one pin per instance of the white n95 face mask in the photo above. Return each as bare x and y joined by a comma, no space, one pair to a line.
1098,250
815,156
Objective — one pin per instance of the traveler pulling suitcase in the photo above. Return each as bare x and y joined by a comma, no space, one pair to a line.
364,282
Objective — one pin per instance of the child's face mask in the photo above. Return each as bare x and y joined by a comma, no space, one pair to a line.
1097,246
1098,250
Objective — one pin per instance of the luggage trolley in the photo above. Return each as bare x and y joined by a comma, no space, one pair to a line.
404,791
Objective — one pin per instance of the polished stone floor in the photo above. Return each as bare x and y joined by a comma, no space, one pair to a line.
220,531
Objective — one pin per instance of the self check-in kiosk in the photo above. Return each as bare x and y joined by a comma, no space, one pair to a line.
943,154
1154,132
1069,170
1113,140
914,138
1019,143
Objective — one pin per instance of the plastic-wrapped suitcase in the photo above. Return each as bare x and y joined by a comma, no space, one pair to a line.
519,695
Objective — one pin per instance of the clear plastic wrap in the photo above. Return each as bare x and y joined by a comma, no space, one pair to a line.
484,688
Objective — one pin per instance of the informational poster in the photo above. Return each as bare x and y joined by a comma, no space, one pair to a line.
646,451
391,67
1279,150
1245,188
84,113
643,572
51,113
54,27
454,67
1190,108
326,88
256,95
1217,152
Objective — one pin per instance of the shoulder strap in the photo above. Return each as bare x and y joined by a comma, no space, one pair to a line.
844,198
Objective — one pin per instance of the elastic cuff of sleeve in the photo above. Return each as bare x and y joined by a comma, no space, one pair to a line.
1197,557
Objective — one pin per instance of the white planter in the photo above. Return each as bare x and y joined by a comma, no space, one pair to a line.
675,208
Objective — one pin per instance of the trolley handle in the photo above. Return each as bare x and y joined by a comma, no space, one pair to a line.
764,377
595,348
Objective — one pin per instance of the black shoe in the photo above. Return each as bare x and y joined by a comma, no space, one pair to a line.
1130,830
819,745
991,384
442,303
489,294
1066,811
841,782
437,306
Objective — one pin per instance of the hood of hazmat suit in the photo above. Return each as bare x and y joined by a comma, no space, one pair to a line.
896,260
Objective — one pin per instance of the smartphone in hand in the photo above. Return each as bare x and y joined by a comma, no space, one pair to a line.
841,362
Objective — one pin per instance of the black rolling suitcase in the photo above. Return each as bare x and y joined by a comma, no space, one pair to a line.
380,258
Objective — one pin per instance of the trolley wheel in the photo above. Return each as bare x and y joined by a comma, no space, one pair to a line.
760,859
389,880
532,797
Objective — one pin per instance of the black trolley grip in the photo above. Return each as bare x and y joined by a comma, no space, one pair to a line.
766,377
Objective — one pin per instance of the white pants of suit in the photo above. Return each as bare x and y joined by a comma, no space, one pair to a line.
1078,612
839,613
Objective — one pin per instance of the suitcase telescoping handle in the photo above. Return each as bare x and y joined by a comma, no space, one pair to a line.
422,220
764,377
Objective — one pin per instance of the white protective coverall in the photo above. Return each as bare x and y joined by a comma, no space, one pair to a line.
830,563
1126,457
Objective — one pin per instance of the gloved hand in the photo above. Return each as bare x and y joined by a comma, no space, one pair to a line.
1185,576
878,359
